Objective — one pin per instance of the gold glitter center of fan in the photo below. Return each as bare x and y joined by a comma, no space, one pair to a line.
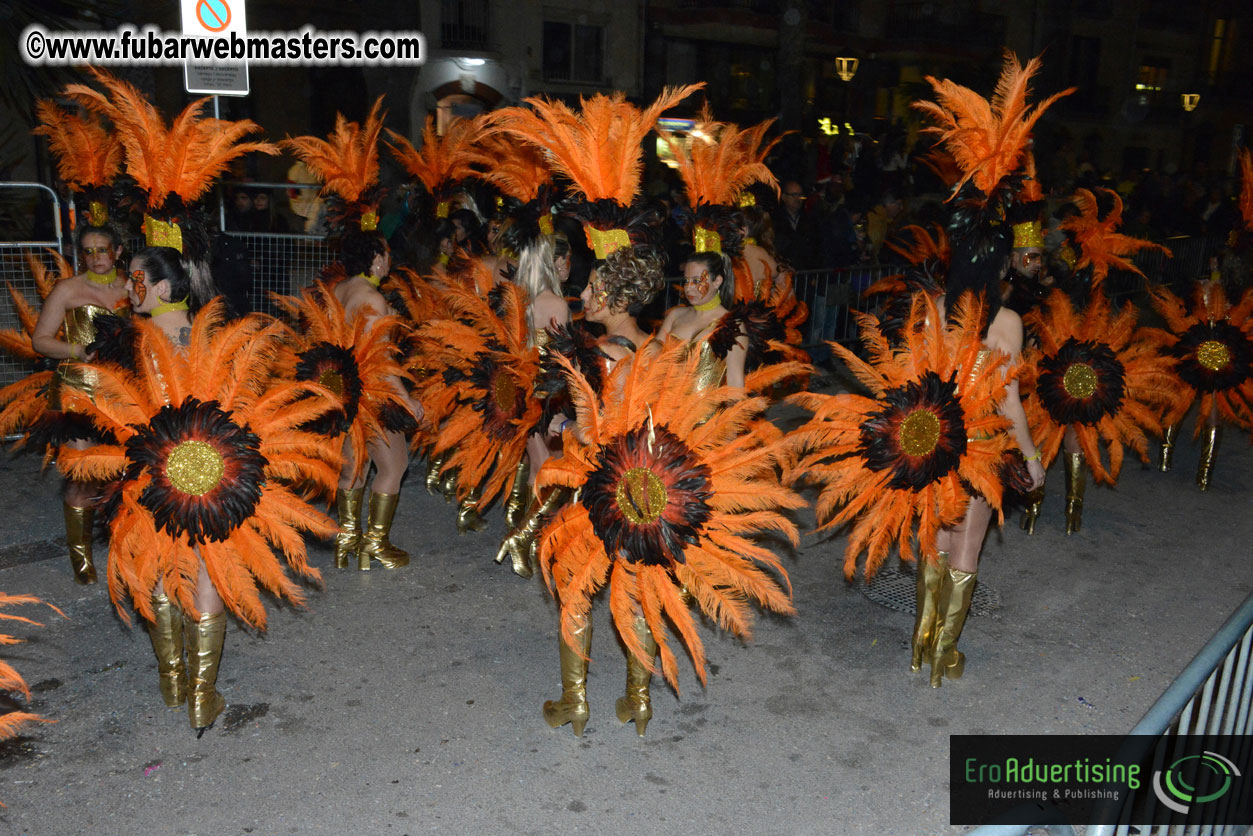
1213,355
641,496
332,380
194,468
1079,381
920,432
505,391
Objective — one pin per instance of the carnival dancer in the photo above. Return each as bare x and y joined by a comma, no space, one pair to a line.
1211,353
347,164
89,157
1093,376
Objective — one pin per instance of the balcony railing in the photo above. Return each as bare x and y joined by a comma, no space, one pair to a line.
465,24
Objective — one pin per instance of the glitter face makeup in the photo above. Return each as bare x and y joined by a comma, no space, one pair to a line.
138,288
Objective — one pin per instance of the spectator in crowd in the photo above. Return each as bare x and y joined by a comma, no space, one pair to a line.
239,210
840,245
796,238
881,223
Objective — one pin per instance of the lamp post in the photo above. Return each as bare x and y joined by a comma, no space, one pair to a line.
846,67
1190,101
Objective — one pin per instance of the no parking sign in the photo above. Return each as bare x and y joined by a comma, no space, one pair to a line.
215,20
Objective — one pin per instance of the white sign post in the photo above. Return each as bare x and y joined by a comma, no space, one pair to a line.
219,73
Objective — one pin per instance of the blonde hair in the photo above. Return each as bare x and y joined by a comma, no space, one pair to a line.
537,268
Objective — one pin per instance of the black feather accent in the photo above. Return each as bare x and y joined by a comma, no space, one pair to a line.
1107,395
1188,365
881,444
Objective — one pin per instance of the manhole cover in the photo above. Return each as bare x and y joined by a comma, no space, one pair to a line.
896,588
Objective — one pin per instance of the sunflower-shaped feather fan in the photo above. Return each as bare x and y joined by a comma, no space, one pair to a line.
1210,350
491,374
208,445
987,139
1100,246
1095,373
907,454
355,358
671,493
347,163
443,162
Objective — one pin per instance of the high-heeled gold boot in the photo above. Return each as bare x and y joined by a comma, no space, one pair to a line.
956,587
572,707
1076,484
637,704
375,544
166,633
929,577
448,485
468,516
348,505
516,505
204,640
1031,513
1169,434
435,465
78,537
521,546
1209,453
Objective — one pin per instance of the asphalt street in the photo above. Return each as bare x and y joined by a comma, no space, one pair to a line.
408,701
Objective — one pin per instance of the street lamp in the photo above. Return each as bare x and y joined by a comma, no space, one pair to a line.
846,68
1190,101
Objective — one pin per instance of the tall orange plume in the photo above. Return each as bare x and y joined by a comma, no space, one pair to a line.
183,158
1099,245
347,161
87,154
598,148
987,138
721,160
518,169
442,159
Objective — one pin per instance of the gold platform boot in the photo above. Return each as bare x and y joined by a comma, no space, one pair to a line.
448,485
78,537
637,704
519,495
374,541
204,639
956,587
435,465
572,707
468,516
1076,484
348,505
521,546
1209,453
1169,434
1031,513
930,576
166,633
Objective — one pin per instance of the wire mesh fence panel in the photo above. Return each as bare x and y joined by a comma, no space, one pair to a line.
281,264
44,218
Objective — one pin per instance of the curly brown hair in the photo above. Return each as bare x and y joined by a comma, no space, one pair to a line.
630,278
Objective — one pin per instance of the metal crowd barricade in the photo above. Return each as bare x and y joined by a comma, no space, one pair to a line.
15,267
1212,696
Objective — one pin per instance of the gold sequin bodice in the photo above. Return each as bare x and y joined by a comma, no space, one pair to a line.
712,370
80,329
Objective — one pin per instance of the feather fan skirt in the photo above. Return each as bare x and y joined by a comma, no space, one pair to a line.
672,493
210,464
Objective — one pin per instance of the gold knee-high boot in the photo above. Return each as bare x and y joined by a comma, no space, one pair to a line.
1076,484
78,537
956,587
521,546
1031,513
166,633
572,707
375,542
348,504
515,507
1209,453
204,640
1169,434
434,466
448,484
930,576
637,704
468,516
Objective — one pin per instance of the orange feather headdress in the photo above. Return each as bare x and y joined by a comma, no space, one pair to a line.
347,163
520,172
988,139
671,493
598,149
443,162
1100,246
88,155
175,164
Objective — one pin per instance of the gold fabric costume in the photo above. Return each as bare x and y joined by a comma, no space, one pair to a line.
80,329
712,371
